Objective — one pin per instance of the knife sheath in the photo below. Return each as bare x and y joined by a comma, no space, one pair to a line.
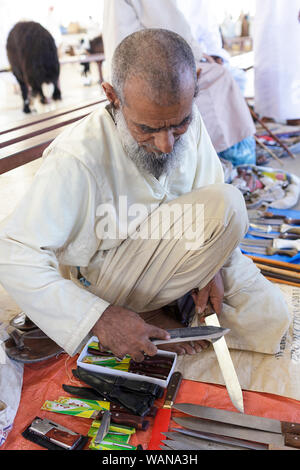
90,394
124,383
138,404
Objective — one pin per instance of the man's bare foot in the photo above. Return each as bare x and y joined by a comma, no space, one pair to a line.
166,321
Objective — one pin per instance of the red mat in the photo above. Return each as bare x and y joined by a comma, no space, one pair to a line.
43,381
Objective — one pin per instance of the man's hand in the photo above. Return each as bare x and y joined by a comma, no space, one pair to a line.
213,293
122,332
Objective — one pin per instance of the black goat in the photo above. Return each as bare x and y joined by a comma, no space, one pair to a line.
33,58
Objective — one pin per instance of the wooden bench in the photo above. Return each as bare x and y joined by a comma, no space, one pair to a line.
26,140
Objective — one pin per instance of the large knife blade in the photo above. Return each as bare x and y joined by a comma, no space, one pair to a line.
213,427
179,335
226,365
237,419
163,416
199,444
221,439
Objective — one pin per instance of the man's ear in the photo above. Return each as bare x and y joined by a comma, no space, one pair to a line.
111,94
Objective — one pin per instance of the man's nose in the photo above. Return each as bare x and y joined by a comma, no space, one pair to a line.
164,141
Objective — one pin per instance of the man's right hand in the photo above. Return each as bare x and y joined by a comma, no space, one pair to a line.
123,331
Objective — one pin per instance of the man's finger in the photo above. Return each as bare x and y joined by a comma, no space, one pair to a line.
157,333
138,356
150,349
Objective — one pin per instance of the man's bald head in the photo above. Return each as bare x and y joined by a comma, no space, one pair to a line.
161,59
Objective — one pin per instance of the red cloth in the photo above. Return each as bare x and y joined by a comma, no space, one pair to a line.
43,381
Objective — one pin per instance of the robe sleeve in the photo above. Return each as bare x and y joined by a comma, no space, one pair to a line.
57,212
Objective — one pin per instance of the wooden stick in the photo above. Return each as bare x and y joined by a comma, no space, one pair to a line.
268,150
271,133
281,281
280,264
283,272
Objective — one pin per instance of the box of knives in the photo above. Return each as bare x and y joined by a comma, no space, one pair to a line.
157,369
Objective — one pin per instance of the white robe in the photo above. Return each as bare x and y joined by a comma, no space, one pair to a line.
277,59
124,17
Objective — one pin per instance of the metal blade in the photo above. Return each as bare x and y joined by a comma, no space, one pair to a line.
262,221
174,445
237,432
260,250
104,427
221,439
230,417
227,368
195,443
260,242
180,335
262,228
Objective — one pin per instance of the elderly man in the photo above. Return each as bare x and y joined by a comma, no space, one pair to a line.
131,199
220,101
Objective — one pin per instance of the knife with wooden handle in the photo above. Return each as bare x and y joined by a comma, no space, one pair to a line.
236,419
163,417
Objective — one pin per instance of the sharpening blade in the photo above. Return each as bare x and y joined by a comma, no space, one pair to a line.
179,335
226,365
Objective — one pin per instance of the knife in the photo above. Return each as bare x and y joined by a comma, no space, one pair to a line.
258,214
279,229
283,236
236,419
163,417
275,243
221,439
248,434
274,221
104,427
226,366
179,335
267,251
198,444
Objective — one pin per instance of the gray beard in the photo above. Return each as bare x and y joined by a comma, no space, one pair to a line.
149,162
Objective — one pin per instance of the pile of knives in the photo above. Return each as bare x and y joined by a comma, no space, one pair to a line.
213,429
275,234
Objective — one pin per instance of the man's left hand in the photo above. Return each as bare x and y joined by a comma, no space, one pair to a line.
213,293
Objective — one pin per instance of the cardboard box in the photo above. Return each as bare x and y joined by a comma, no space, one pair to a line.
130,375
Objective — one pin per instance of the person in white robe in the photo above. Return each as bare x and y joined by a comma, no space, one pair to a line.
220,101
205,29
97,212
277,60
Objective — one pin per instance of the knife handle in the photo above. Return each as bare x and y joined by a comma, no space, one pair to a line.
292,440
172,389
290,428
136,422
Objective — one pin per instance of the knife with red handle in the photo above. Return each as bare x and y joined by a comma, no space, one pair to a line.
163,417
